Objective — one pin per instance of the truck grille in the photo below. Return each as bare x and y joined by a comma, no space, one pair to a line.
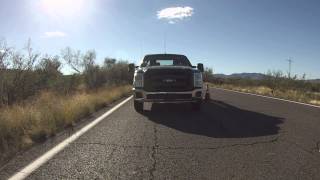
168,80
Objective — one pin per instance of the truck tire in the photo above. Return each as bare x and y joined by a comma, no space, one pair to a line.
207,97
138,106
196,106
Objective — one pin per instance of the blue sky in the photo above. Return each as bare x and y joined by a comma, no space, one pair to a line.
230,36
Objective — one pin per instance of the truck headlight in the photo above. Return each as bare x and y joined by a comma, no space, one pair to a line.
138,80
197,79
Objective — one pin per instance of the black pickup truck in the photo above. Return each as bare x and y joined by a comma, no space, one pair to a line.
167,78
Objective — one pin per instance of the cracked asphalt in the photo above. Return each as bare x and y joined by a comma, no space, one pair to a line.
234,136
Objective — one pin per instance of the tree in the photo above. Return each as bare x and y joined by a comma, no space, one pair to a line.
50,65
109,62
72,58
91,70
5,53
49,72
208,74
88,59
116,72
31,56
20,78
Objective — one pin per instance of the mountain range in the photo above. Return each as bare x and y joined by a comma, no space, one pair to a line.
254,76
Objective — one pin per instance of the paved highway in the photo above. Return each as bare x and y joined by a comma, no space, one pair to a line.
234,136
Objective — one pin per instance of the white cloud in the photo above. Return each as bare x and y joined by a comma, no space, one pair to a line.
54,34
174,14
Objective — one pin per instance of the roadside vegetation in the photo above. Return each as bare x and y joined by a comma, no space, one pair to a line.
275,84
37,100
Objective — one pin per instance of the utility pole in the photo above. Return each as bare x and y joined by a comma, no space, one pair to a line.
165,43
290,63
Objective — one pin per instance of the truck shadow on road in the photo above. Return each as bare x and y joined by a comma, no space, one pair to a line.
216,119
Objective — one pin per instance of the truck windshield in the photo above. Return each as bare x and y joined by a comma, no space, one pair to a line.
165,60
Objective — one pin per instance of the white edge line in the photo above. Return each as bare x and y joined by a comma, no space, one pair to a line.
269,97
26,171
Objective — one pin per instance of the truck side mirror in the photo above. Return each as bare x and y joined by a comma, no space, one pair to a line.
200,67
131,67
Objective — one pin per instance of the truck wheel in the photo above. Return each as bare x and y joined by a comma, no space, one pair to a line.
196,106
207,97
138,106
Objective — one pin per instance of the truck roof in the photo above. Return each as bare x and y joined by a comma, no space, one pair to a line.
165,55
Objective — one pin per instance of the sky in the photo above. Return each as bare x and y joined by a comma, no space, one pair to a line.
229,36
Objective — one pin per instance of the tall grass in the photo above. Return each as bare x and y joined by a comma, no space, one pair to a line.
25,124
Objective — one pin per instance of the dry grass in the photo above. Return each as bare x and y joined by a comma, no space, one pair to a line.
289,94
316,102
23,125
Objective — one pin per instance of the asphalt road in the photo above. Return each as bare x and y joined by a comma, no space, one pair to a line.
235,136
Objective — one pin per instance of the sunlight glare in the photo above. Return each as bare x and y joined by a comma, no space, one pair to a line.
62,8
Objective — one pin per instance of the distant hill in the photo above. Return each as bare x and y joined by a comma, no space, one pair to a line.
255,76
314,80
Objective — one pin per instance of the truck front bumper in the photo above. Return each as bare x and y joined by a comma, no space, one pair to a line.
195,95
